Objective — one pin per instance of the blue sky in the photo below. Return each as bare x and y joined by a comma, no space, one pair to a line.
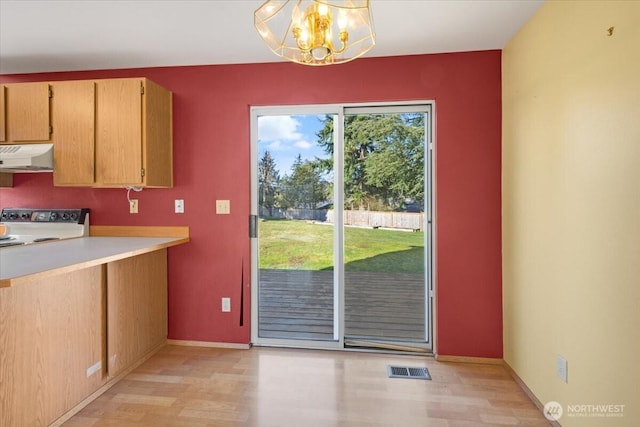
287,136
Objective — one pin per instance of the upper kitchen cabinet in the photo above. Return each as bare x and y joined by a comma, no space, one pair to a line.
73,112
134,134
27,115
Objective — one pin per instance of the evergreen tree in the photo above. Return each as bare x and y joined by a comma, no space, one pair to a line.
383,159
268,182
305,188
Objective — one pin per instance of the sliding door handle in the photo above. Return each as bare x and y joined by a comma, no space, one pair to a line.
253,226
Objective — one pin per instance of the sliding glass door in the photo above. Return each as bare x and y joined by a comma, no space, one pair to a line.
341,217
385,219
296,289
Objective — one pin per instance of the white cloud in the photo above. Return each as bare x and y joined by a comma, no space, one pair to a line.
305,145
275,146
278,128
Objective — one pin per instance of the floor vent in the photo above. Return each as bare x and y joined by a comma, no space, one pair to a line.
408,372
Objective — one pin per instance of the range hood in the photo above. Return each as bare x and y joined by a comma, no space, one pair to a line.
26,158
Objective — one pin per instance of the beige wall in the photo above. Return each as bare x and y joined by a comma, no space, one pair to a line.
571,205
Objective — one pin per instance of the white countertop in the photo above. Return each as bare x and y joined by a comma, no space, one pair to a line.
18,262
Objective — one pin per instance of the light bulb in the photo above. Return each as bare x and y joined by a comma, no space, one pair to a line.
343,19
304,35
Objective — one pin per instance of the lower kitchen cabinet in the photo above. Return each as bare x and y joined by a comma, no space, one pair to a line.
52,346
136,308
65,336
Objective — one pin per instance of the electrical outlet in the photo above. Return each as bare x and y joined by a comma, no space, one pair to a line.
133,206
179,206
226,304
562,368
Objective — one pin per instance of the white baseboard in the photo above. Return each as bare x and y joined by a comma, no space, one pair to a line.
468,359
528,392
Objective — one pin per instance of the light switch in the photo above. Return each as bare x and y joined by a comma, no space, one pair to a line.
223,207
179,206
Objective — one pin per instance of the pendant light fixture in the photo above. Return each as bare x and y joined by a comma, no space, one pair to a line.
316,32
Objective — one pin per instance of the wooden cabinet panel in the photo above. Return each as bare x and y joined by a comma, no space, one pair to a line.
106,133
3,115
51,334
64,337
73,111
6,179
137,308
118,132
158,135
134,133
27,115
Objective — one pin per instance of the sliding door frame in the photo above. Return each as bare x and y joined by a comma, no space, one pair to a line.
339,110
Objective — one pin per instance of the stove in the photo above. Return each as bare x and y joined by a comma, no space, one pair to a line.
22,226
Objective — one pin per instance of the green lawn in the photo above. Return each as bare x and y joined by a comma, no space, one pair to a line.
290,244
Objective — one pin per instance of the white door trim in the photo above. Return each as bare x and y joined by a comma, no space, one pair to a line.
426,106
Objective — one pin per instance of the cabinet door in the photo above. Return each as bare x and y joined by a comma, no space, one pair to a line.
73,111
118,132
6,179
28,118
158,136
3,116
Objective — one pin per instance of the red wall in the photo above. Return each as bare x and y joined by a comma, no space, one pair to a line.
211,154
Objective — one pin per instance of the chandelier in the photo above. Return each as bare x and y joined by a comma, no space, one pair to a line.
316,32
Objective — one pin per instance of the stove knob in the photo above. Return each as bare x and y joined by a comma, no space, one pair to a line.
13,215
74,216
5,215
53,216
25,215
65,216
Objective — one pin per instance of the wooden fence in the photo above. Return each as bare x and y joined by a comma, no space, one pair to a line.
374,219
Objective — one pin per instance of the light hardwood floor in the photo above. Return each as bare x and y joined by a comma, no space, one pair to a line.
195,386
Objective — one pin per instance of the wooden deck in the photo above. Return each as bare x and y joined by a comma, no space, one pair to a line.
298,304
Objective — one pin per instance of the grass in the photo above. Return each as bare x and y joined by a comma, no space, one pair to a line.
301,245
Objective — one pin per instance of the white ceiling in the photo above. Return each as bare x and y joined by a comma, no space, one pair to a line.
66,35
